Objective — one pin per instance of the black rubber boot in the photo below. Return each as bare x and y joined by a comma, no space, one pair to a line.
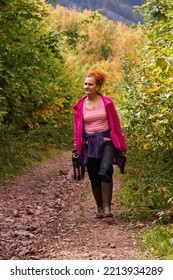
98,198
107,198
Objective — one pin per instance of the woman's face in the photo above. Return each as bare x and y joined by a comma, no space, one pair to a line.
90,86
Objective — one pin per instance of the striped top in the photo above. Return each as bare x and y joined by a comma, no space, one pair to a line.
95,120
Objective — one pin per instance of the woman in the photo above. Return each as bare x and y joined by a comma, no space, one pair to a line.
97,132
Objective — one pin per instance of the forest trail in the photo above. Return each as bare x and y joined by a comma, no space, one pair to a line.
45,214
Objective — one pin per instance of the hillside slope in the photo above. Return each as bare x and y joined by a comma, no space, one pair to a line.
119,10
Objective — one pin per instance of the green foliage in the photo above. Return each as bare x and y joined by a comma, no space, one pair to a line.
133,198
32,67
20,151
159,242
147,108
35,91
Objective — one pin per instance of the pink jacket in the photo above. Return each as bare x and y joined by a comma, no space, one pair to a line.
116,133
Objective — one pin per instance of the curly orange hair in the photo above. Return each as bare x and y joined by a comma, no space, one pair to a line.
99,76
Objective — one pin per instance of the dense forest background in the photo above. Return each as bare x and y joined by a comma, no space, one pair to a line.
119,10
45,55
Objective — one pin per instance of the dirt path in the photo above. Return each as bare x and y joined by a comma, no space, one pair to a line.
45,214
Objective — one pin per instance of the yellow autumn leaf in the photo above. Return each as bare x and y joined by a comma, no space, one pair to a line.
146,146
154,89
164,109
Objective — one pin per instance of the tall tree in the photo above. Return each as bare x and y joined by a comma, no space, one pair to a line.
32,67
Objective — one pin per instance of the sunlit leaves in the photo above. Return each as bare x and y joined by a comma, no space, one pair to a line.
155,70
32,67
148,104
